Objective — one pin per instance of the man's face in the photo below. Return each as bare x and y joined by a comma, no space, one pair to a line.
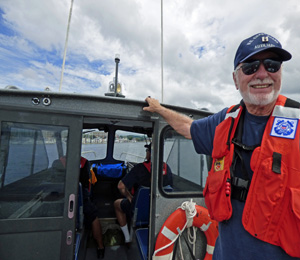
148,155
262,87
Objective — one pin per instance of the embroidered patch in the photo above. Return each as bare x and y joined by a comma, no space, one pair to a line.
219,164
284,127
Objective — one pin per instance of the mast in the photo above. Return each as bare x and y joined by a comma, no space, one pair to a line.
162,52
66,43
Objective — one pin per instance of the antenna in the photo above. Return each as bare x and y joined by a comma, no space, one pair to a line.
66,43
162,51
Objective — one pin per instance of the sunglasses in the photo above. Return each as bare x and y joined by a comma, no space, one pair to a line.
252,66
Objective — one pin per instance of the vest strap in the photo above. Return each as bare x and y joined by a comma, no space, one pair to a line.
239,188
243,146
240,183
291,103
239,194
276,165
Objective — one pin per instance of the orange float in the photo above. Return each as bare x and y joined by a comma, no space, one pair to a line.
176,223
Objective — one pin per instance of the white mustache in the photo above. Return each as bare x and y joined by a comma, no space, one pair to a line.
261,82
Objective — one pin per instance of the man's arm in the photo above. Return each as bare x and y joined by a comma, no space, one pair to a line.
124,191
181,123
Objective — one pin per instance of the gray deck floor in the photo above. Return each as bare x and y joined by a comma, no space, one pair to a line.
119,252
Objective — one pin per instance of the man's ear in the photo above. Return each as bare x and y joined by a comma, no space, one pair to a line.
234,76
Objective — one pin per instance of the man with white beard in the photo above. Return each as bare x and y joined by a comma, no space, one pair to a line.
253,187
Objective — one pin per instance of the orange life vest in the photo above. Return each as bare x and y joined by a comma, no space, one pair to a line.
82,162
148,167
272,208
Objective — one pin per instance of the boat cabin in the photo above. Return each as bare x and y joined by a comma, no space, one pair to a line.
44,135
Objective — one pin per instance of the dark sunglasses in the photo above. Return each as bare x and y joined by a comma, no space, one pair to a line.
251,67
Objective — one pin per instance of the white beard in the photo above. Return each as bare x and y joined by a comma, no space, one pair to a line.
259,99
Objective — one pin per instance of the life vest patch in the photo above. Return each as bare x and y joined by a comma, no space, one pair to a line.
219,164
284,127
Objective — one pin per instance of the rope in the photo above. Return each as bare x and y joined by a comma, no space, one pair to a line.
190,213
171,243
180,248
192,238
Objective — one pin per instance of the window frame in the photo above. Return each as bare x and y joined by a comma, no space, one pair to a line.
173,194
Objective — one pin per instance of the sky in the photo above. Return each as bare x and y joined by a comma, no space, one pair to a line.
200,38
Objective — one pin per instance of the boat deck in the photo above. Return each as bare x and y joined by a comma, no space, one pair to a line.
114,252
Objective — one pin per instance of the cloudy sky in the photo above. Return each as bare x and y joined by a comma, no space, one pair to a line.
200,40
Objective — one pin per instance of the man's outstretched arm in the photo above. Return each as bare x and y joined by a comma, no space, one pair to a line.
181,123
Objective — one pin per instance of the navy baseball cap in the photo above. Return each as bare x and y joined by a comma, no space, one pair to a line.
258,43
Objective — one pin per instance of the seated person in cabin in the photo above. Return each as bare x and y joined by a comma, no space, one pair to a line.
137,177
89,208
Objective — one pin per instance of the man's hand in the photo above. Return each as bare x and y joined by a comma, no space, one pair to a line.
154,105
181,123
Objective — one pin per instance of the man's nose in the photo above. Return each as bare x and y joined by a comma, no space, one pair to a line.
261,73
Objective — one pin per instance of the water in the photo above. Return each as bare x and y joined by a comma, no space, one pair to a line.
182,159
133,152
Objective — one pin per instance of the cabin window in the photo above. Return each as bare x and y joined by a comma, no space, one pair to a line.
189,169
32,176
129,147
94,144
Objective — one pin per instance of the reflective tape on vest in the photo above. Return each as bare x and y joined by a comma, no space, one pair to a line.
233,114
288,112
